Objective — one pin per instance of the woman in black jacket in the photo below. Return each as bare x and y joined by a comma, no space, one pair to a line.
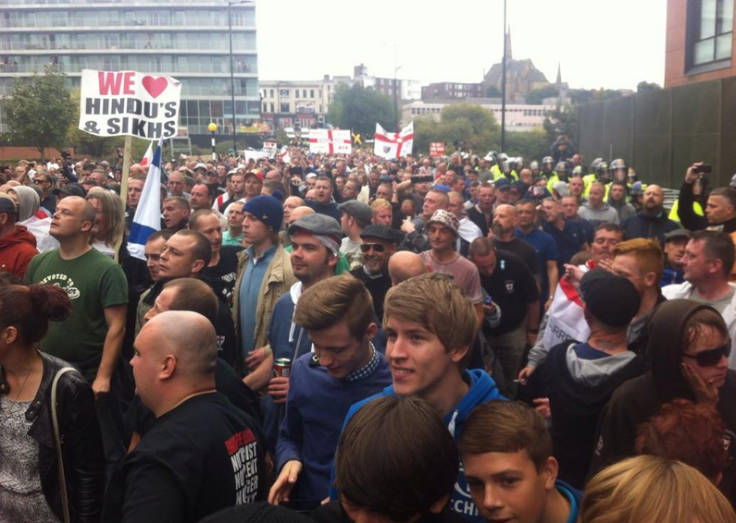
29,476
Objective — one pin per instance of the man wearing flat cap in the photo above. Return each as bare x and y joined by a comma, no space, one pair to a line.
314,255
264,274
674,256
379,244
579,378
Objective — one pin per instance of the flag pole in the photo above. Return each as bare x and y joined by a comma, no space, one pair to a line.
124,189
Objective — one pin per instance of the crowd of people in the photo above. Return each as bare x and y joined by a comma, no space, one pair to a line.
344,338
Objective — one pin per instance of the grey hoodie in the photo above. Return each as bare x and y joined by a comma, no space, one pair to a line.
603,214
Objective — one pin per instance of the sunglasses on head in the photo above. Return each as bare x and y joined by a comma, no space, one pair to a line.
365,247
710,357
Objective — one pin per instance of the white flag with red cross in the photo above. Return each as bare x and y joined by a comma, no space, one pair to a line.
330,141
393,145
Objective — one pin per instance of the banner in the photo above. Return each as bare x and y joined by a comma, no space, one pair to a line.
330,141
436,149
129,103
393,145
270,148
147,218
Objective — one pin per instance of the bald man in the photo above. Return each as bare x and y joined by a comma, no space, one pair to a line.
291,203
404,265
92,336
202,454
503,231
295,213
651,221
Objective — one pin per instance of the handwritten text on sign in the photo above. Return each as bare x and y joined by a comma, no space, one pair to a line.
129,103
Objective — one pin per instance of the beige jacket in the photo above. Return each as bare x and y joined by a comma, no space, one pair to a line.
278,280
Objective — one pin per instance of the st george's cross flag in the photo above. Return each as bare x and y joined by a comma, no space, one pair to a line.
147,219
393,145
330,141
147,157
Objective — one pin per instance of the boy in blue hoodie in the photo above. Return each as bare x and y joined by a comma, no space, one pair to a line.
512,475
430,325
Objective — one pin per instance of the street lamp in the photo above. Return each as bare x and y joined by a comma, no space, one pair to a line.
230,4
213,129
503,84
396,99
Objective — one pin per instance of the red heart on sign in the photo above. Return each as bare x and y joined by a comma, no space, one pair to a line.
155,86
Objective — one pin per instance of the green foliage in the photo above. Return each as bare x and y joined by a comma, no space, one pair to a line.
462,122
581,96
493,92
536,96
644,87
89,144
561,121
358,109
38,111
532,145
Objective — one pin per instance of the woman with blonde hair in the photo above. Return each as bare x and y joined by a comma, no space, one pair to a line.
110,219
653,489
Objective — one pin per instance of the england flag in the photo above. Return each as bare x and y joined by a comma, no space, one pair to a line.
147,219
147,157
393,145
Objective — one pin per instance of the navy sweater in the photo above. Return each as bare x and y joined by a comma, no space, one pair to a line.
315,409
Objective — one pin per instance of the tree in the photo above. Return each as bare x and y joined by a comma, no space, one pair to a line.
562,121
645,87
85,143
359,109
531,145
536,96
463,122
493,92
38,111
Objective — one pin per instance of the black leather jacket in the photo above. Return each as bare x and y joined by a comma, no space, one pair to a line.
84,461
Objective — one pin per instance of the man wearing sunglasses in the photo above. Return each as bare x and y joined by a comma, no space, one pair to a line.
689,346
379,244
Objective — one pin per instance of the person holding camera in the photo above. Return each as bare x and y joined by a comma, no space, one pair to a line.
720,209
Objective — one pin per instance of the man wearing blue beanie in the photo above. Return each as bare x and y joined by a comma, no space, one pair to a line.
264,274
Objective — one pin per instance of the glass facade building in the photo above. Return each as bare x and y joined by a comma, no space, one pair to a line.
186,39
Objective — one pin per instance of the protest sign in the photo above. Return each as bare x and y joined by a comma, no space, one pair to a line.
129,103
330,141
436,149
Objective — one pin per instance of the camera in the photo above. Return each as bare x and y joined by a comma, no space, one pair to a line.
704,169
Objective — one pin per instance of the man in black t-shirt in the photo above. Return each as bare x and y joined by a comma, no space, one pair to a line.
223,267
202,453
509,282
505,221
185,255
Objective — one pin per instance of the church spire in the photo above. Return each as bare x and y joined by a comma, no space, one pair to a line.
509,54
559,75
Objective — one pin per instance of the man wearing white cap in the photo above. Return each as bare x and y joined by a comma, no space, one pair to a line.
442,229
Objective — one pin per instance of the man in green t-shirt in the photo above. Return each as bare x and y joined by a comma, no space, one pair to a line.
92,336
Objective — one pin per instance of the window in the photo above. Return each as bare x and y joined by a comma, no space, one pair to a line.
284,108
283,92
710,34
